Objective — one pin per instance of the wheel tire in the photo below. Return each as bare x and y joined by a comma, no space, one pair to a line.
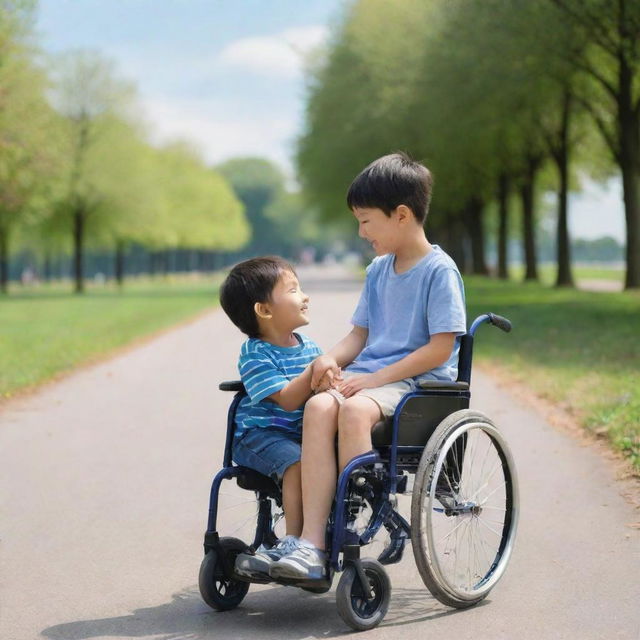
357,612
460,432
219,589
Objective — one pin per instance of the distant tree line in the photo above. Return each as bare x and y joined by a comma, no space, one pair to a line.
502,100
82,187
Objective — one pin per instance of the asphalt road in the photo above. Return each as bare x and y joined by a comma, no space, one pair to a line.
104,483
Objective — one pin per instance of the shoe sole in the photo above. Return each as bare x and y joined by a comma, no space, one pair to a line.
255,576
289,575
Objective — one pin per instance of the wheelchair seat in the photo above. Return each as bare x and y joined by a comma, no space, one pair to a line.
255,481
421,412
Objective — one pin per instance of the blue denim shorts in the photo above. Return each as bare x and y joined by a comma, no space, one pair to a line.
269,451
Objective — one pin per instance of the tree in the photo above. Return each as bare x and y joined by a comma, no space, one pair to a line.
611,64
258,183
91,99
27,156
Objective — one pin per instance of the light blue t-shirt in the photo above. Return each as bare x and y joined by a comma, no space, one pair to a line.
265,369
403,310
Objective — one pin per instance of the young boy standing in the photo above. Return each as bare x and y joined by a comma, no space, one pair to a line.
405,329
263,298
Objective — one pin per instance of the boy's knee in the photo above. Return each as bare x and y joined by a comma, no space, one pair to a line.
357,412
320,404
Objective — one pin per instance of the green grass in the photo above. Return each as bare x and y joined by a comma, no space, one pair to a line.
47,330
575,348
547,273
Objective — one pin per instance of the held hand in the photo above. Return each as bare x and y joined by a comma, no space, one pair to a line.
352,385
321,366
328,381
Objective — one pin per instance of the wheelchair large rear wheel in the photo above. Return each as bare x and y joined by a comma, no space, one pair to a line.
464,509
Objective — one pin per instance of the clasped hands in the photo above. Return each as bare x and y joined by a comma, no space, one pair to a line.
326,374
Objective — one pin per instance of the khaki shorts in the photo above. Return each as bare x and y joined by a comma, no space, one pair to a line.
386,397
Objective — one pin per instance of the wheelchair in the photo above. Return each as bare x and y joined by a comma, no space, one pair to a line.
452,461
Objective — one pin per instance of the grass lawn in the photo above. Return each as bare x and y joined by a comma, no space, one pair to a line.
47,330
547,273
576,348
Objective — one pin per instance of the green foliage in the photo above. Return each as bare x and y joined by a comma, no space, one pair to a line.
575,348
280,221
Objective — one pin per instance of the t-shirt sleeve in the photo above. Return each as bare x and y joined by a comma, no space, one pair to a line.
260,375
446,312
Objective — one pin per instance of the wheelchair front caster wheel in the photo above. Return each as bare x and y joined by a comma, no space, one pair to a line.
219,587
359,610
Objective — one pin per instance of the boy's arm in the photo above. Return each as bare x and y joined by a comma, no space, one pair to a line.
425,358
341,354
293,395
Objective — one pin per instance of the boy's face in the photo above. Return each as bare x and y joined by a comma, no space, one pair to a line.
289,304
377,228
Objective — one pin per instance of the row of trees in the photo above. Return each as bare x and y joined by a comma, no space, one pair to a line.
502,100
77,171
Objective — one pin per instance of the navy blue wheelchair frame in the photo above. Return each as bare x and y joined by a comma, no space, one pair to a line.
394,457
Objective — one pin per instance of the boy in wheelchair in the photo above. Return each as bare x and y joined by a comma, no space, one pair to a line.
405,330
399,392
263,298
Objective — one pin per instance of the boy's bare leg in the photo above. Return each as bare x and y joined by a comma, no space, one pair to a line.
318,465
356,418
292,499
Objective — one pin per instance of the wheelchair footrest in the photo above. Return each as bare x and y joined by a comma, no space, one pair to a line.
399,531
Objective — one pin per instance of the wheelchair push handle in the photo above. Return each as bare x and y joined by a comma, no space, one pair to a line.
231,385
500,322
491,318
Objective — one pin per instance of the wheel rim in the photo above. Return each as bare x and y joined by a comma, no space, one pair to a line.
469,515
363,607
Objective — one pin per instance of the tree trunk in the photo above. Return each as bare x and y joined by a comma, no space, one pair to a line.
629,132
527,191
119,263
564,277
46,267
4,260
455,236
503,234
475,228
78,249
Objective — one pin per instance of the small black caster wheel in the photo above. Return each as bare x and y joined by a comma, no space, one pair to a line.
359,610
219,587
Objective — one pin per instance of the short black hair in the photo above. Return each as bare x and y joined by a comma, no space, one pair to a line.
249,282
390,181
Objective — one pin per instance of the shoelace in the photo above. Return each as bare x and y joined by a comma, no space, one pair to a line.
287,544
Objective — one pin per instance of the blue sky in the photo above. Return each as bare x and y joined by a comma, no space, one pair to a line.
228,75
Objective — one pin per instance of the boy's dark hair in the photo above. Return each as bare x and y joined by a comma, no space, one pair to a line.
249,282
391,181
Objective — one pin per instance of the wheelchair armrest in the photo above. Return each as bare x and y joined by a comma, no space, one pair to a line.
443,384
231,385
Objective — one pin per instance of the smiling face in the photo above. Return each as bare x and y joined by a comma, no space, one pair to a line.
287,308
378,229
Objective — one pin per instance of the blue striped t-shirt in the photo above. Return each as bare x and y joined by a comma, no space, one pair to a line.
265,369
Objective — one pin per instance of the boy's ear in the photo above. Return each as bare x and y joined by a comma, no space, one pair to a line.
262,310
403,212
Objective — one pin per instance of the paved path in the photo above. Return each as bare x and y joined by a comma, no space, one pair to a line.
104,482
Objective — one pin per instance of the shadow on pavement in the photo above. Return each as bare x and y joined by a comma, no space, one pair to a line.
280,613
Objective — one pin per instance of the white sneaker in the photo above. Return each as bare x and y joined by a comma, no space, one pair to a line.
256,566
304,562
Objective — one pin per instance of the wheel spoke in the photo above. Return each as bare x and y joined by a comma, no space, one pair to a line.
464,549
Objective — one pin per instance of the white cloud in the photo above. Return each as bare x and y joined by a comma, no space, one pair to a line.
282,54
219,132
